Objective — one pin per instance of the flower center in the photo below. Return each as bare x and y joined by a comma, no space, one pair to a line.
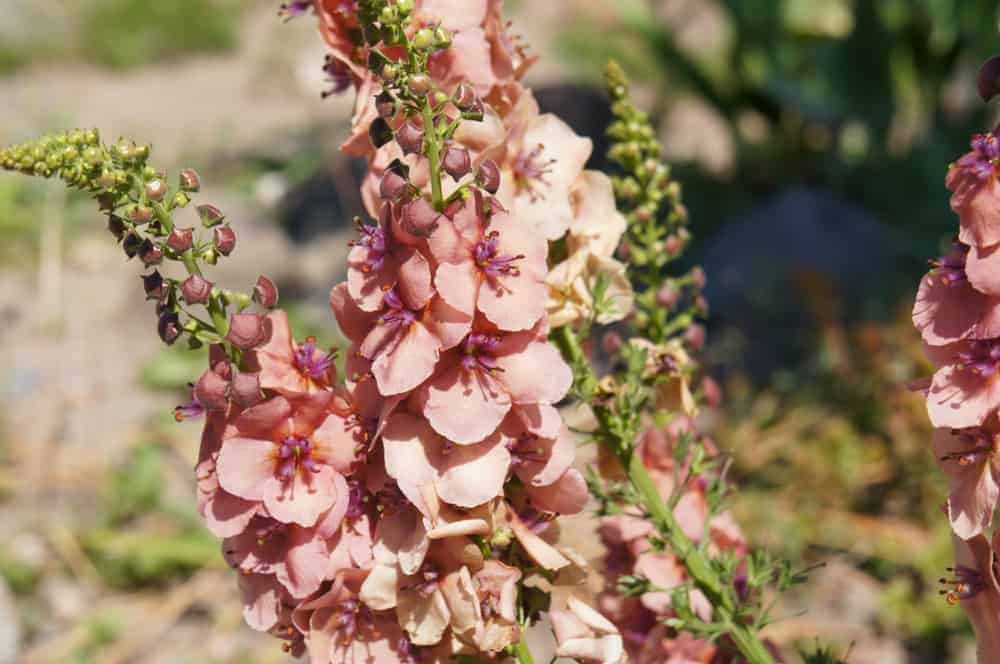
982,357
491,261
479,353
980,447
409,653
427,581
536,521
525,449
352,617
311,361
373,239
294,453
530,170
965,584
396,312
191,410
355,501
950,268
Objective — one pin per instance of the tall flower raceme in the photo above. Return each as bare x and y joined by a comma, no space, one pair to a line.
957,314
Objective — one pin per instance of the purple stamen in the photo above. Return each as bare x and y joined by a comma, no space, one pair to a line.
950,268
489,259
530,170
479,353
980,447
296,452
966,584
981,357
355,501
537,522
373,238
982,161
430,579
294,9
312,362
397,313
338,74
525,449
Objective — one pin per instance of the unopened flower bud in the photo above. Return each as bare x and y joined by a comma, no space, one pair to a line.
673,245
379,132
488,176
385,105
989,78
218,361
169,327
265,293
210,215
248,330
464,97
245,390
695,337
410,138
116,226
212,391
106,181
189,180
442,37
141,214
224,240
196,290
420,84
456,161
701,305
404,6
698,278
394,183
154,285
156,190
131,244
180,200
150,254
181,239
612,342
712,392
420,218
667,296
424,39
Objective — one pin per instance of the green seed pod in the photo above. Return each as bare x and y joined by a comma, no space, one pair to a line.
424,39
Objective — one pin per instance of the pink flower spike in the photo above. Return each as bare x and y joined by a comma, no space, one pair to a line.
967,456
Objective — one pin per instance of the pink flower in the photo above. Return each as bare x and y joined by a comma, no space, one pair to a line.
967,456
966,389
949,308
297,557
402,343
666,571
288,456
476,385
378,262
338,627
583,633
974,585
491,264
976,192
290,368
496,589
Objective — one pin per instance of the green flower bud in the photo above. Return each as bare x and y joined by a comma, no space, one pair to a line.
107,180
155,190
125,149
76,137
404,6
93,157
141,152
54,160
180,200
91,137
442,37
424,39
388,15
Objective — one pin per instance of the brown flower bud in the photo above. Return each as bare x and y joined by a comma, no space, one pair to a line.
394,182
420,218
246,389
667,296
465,96
210,215
695,337
168,327
224,240
698,278
265,293
410,138
189,180
141,214
420,84
218,361
154,285
248,330
488,176
385,105
712,392
989,78
379,132
212,391
181,239
612,342
196,289
131,244
456,161
150,254
156,189
116,226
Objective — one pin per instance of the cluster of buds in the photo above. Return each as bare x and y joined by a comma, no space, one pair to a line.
957,312
141,206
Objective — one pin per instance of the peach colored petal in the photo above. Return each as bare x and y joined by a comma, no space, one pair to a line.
424,618
262,420
261,600
408,362
447,323
414,279
353,322
538,374
465,406
458,285
304,498
412,455
568,495
974,489
538,549
473,474
961,398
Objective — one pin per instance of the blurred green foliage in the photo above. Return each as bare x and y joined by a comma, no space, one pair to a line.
128,33
869,98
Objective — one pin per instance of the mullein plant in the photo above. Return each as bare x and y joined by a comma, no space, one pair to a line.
957,312
408,510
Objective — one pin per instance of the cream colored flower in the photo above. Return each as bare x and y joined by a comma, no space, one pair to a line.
572,284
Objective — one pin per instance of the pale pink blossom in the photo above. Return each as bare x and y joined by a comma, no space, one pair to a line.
976,192
296,556
966,389
584,634
288,367
967,456
949,307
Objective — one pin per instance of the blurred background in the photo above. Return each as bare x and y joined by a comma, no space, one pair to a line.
811,138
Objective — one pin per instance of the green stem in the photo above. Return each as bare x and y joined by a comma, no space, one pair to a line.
523,653
433,155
